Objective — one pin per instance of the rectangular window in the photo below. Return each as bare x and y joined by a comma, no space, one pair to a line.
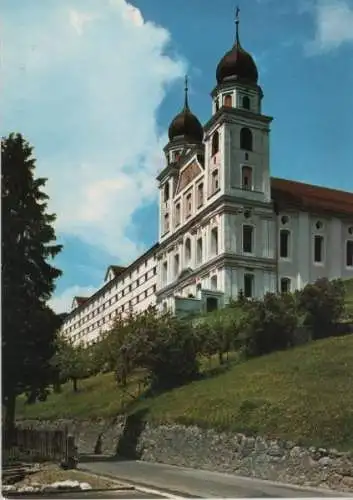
166,223
248,239
188,208
200,195
164,272
215,181
247,178
318,248
177,214
199,251
285,285
248,285
214,241
349,253
176,265
284,244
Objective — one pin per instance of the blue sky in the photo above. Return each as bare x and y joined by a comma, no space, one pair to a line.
94,84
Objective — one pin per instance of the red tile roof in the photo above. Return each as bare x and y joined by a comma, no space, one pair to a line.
302,196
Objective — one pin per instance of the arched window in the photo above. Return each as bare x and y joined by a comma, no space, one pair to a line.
228,101
215,143
217,105
166,191
246,177
246,102
187,252
246,139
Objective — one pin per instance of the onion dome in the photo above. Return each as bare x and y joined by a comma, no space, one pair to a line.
237,64
186,125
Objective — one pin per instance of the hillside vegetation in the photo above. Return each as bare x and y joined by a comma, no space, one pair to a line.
349,297
303,394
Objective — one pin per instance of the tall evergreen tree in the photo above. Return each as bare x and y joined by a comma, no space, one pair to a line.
28,247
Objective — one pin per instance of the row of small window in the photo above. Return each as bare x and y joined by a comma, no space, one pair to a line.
319,245
246,141
113,299
107,304
188,204
123,308
227,101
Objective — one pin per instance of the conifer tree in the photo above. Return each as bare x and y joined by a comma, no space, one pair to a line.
28,276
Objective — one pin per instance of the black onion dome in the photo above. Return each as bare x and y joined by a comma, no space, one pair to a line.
186,125
237,64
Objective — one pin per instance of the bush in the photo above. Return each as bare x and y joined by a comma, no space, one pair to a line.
322,304
269,325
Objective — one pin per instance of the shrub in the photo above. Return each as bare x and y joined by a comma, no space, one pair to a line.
269,325
322,304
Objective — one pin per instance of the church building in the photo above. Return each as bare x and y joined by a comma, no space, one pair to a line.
225,224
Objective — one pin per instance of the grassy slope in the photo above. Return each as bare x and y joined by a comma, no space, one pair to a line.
303,394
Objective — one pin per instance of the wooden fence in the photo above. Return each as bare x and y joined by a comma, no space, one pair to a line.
40,445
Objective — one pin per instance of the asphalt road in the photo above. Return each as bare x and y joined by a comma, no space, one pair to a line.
185,483
92,494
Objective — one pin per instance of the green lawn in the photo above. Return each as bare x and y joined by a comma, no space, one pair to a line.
304,394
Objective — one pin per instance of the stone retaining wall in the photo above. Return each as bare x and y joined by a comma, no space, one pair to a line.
206,449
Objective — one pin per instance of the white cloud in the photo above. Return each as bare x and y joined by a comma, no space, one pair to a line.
333,25
62,303
84,81
78,20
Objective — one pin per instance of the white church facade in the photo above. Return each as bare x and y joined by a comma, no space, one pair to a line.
225,224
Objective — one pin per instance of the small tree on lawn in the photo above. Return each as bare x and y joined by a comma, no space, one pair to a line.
322,304
163,345
72,361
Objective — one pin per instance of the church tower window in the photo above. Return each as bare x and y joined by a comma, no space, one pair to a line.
247,178
246,141
166,223
215,143
246,102
228,101
248,232
215,181
166,192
